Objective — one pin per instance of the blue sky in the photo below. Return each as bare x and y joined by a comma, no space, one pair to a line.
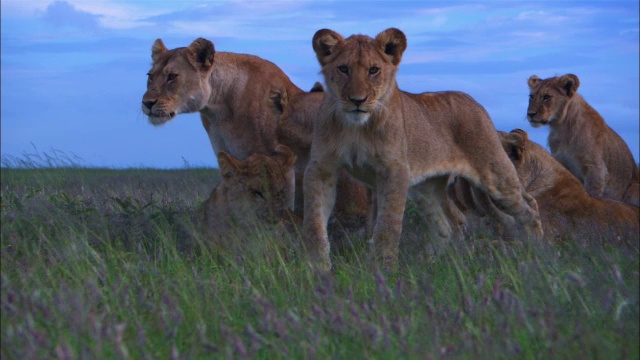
73,72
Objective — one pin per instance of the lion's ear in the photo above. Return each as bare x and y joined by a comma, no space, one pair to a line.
278,100
157,49
393,43
569,83
228,165
324,44
317,87
284,156
521,135
533,80
204,52
517,140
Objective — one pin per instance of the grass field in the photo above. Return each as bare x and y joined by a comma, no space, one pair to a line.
100,263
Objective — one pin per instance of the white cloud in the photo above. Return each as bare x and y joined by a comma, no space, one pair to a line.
23,9
431,11
118,15
112,14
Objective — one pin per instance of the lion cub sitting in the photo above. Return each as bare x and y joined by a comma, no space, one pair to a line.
253,193
580,139
566,209
393,141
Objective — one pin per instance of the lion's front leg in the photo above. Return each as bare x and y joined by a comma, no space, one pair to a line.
392,186
595,178
319,198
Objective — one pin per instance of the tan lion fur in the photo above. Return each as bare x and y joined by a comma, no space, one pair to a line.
253,192
580,139
477,213
295,129
394,140
232,92
566,209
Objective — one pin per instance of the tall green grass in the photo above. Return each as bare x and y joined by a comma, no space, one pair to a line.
99,263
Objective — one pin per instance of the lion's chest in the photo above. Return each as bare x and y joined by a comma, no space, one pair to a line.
358,157
565,154
565,157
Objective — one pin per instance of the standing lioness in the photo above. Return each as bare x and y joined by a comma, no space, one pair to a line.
393,140
232,92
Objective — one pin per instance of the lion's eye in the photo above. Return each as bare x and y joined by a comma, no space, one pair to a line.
373,70
343,69
530,96
171,77
546,97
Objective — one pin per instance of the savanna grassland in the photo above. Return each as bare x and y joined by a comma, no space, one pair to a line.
103,263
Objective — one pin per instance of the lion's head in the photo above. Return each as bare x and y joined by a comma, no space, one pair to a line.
535,166
517,146
178,81
254,191
359,71
548,98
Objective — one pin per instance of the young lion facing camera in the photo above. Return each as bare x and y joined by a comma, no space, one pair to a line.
394,141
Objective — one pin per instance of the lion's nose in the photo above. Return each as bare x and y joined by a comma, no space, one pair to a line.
149,103
358,101
531,113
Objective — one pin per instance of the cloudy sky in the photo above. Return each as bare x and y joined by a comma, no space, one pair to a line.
73,72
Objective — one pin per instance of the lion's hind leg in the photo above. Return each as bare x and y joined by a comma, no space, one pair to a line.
507,194
443,219
484,217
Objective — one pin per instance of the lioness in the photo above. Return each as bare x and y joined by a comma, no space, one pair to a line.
253,191
566,209
231,91
580,139
394,140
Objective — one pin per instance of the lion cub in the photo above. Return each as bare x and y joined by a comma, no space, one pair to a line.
295,129
253,192
580,139
566,209
394,141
